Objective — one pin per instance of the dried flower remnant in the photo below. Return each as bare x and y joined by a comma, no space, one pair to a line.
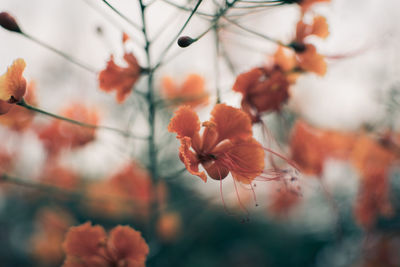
192,92
310,147
52,224
8,22
120,79
88,245
60,134
19,118
373,161
12,85
226,145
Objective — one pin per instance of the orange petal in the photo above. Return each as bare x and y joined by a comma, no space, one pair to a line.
4,107
120,79
185,122
126,243
12,83
245,81
370,158
231,123
246,160
284,61
190,159
306,150
310,60
320,27
19,118
170,90
84,240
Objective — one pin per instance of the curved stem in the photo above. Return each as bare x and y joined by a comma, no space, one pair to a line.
136,26
67,57
22,103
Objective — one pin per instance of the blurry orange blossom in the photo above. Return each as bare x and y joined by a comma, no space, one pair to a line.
88,245
192,92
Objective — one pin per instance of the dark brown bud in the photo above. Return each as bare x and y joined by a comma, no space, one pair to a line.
298,47
185,41
8,22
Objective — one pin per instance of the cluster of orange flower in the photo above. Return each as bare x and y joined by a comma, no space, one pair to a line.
222,146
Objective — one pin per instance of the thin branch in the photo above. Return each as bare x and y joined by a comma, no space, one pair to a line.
136,26
60,53
22,103
163,54
255,33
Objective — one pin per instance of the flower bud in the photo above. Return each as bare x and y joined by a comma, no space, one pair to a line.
185,41
8,22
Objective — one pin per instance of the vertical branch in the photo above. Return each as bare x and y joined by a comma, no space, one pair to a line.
216,62
149,96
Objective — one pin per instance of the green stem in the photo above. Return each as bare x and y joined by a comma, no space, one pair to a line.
255,33
164,53
136,26
62,54
22,103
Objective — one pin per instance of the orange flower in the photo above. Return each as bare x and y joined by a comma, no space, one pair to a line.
373,162
47,240
310,147
306,54
60,134
130,185
192,92
120,79
88,245
55,175
263,90
19,118
12,85
226,144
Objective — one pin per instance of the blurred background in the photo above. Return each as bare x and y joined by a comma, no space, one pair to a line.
194,228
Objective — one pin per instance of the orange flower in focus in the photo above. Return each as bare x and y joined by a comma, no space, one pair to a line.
19,118
306,54
226,144
60,134
47,240
88,245
373,161
12,85
310,147
192,92
120,79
